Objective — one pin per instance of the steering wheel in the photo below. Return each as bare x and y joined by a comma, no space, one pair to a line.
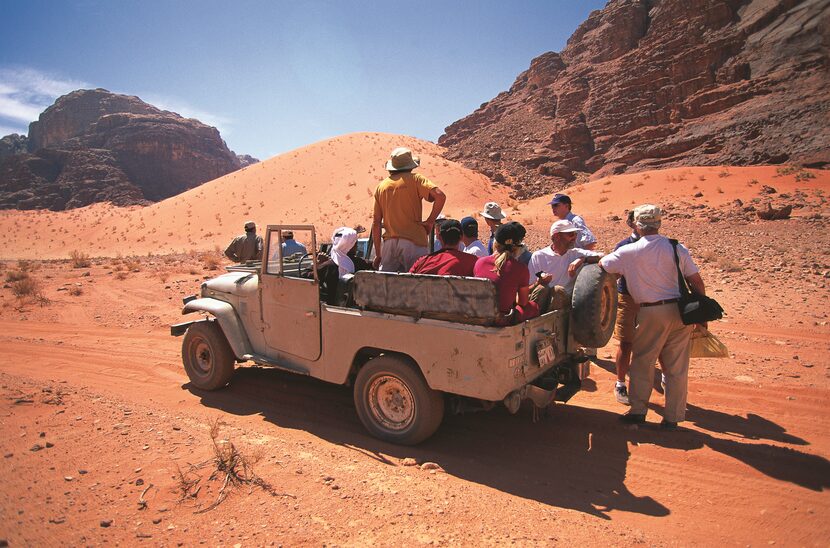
300,265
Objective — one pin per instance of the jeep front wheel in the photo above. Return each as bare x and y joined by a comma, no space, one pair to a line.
395,403
207,357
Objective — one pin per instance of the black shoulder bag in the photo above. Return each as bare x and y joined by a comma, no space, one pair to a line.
694,307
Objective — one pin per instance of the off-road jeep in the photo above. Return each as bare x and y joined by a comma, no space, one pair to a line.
411,345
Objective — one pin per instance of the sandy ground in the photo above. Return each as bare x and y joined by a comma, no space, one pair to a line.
103,439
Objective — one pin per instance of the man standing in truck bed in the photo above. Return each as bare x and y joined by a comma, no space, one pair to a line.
398,210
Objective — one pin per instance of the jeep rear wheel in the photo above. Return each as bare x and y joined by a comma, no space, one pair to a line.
207,357
395,403
594,307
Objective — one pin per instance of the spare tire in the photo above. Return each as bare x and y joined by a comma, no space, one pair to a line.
594,306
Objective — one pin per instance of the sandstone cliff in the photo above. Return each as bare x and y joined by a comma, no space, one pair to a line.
93,145
652,83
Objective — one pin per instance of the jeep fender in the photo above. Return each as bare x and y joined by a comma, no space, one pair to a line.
228,321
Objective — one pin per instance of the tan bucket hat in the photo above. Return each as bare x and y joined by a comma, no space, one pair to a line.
402,159
648,216
493,211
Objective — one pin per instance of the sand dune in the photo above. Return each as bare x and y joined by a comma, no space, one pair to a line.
330,183
327,184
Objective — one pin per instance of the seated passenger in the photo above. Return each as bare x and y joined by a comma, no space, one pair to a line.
290,246
557,264
509,274
343,261
449,260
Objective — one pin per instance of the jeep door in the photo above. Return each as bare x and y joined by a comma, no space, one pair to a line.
290,292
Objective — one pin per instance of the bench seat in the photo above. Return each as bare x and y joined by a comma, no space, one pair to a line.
452,298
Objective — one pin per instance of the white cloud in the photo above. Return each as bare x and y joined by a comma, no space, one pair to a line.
26,92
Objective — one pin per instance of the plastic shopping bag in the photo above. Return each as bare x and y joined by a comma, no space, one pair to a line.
704,344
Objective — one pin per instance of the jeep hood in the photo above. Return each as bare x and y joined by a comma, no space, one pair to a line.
233,283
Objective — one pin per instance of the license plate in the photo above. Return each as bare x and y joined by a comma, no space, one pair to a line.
544,350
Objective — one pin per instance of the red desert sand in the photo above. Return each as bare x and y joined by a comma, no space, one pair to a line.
104,442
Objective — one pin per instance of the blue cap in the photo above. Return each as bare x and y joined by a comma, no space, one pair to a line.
560,199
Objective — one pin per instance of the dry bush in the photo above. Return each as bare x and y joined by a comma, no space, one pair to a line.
229,466
638,183
76,290
26,266
120,275
28,289
25,287
708,255
132,264
211,262
724,173
720,190
16,275
79,259
602,199
729,265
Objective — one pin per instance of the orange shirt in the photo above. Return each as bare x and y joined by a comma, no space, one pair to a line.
400,196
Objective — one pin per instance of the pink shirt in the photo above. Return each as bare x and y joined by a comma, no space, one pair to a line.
513,275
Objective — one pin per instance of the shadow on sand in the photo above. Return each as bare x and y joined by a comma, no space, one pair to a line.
574,458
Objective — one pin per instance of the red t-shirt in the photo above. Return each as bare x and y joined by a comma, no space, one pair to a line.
446,262
513,275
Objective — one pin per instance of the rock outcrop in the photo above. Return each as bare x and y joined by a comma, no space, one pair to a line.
13,144
93,145
656,83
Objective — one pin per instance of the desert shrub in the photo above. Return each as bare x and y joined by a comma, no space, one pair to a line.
25,287
724,173
76,290
708,255
120,275
132,265
79,259
16,275
210,261
729,265
603,199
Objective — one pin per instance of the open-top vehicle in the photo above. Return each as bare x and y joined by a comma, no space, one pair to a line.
411,345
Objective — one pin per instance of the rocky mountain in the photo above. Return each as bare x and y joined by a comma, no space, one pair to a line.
656,83
93,145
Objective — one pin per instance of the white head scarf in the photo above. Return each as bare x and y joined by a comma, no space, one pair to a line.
343,241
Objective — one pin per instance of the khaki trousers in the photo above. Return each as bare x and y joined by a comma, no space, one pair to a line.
660,333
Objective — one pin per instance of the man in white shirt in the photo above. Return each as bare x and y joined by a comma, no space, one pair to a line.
469,238
559,262
561,207
651,277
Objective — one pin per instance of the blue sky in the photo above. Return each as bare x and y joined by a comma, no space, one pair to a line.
276,75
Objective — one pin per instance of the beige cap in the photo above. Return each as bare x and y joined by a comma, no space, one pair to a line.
492,211
648,216
249,225
402,159
563,226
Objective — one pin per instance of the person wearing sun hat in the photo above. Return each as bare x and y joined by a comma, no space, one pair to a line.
493,216
561,206
398,213
651,276
509,275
